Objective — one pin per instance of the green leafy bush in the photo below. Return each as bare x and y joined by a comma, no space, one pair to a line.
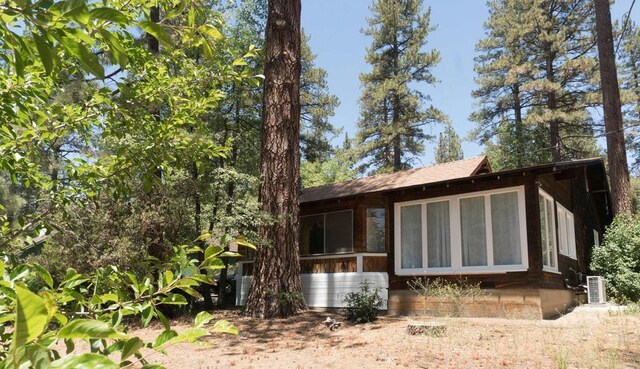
618,258
363,306
36,312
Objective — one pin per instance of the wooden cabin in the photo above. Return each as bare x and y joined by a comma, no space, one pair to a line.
524,235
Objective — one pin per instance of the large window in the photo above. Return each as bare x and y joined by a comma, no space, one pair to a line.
326,233
470,233
566,232
375,230
548,232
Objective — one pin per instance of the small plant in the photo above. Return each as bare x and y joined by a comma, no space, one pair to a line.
630,309
363,306
454,294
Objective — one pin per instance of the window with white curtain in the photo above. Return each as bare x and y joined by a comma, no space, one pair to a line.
438,235
470,233
505,226
474,231
566,232
548,232
411,236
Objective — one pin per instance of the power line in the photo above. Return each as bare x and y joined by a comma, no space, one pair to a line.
624,27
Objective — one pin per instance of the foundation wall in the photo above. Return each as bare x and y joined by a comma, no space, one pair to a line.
495,303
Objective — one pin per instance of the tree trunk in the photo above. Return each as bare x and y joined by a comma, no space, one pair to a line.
152,42
519,126
276,290
614,130
552,104
205,289
395,121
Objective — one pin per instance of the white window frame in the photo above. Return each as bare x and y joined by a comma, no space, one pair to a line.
548,268
456,236
596,238
324,240
566,231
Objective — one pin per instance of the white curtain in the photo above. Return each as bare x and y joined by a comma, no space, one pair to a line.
438,235
411,236
506,229
474,233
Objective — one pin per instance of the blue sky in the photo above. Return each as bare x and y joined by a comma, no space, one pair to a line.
334,28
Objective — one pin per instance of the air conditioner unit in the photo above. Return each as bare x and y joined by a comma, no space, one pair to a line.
595,290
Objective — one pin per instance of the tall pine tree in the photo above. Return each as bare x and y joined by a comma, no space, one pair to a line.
317,106
536,73
390,130
630,87
449,146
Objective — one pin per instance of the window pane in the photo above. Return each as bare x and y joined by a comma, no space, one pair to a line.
312,234
543,231
375,230
339,232
411,236
562,231
571,232
438,235
551,239
505,225
474,233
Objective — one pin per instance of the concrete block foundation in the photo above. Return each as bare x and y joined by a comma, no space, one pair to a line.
496,303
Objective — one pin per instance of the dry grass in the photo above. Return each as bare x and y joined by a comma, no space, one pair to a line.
581,339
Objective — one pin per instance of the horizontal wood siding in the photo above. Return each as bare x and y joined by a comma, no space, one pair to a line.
374,264
327,290
346,264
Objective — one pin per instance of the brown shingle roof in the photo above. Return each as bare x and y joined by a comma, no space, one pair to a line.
407,178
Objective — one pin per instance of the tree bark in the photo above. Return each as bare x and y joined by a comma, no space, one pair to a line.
614,130
276,290
205,289
552,104
519,126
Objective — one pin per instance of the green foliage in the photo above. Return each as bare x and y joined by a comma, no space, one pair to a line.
618,258
76,80
363,306
537,77
287,301
629,70
338,168
505,150
390,129
449,146
317,105
451,298
95,308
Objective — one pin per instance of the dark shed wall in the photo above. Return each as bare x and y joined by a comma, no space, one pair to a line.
568,186
571,190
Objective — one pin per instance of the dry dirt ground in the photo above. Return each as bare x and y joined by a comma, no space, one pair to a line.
584,338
